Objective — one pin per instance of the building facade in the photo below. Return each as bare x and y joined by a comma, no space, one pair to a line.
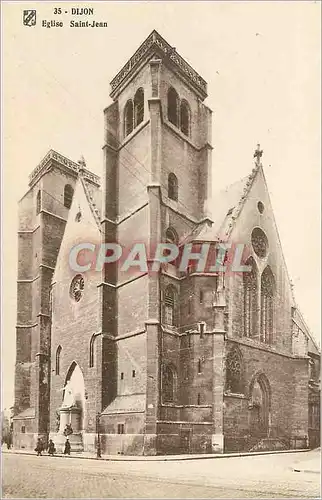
171,361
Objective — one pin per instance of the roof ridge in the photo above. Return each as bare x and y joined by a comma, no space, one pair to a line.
251,178
90,201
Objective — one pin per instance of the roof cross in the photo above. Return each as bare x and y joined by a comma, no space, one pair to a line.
258,154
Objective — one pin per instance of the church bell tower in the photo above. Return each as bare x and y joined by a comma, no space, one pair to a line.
156,188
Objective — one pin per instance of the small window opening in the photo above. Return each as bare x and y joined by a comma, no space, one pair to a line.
120,428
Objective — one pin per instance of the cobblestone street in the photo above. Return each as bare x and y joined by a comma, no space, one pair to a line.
264,476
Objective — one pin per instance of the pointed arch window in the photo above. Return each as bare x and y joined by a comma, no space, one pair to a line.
173,187
173,107
169,377
259,405
170,306
185,117
267,305
68,195
250,299
171,236
128,118
38,202
58,354
138,107
92,352
234,382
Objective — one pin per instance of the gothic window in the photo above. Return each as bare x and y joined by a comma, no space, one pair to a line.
91,351
312,370
234,372
58,353
68,195
267,305
38,202
173,187
168,383
184,117
259,242
120,428
77,287
250,299
128,118
170,306
138,107
171,236
173,106
260,206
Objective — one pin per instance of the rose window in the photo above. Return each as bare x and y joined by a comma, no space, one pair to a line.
77,287
259,242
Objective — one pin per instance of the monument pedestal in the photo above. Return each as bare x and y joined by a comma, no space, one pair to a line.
75,439
69,416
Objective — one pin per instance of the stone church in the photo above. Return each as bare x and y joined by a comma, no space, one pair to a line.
165,362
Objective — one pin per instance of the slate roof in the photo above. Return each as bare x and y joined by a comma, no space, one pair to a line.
28,413
226,207
128,403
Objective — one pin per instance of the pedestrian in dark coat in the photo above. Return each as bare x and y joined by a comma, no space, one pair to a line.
67,447
51,448
39,448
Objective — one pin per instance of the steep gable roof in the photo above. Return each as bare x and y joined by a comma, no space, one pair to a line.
226,207
312,344
94,197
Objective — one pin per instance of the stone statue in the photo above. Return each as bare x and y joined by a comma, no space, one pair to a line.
69,396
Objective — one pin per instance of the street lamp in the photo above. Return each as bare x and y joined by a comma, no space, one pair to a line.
98,444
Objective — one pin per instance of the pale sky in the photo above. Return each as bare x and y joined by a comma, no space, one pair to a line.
262,64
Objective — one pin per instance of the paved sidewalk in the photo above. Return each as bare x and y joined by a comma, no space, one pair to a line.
310,463
154,458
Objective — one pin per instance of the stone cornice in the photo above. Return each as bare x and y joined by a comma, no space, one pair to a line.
155,44
263,347
63,162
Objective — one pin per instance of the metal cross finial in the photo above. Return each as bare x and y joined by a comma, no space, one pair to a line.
258,154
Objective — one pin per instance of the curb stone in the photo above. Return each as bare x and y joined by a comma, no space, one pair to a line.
157,458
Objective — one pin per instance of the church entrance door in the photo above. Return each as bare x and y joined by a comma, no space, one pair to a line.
259,407
185,440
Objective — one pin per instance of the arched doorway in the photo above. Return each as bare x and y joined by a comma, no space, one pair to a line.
259,406
74,390
72,410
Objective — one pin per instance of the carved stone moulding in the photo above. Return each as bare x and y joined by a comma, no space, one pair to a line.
52,157
156,45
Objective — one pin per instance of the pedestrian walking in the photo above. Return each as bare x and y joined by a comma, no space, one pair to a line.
39,448
51,448
67,447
